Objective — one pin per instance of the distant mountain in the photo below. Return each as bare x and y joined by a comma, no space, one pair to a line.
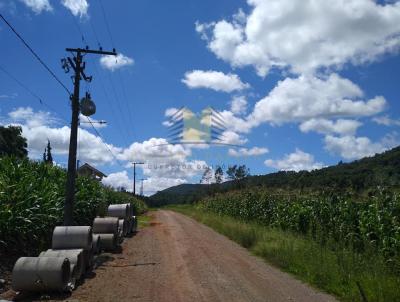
358,177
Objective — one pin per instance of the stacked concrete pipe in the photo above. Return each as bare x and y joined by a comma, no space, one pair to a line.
107,229
76,260
73,247
41,274
96,244
74,237
126,212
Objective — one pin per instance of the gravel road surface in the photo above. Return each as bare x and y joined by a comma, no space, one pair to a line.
178,259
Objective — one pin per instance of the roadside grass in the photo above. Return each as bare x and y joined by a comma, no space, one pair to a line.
347,275
143,220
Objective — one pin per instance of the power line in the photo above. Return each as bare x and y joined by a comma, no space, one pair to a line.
128,107
106,22
78,28
107,97
102,140
35,55
30,91
102,83
131,112
116,97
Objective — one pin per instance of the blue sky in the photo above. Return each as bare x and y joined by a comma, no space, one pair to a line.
310,84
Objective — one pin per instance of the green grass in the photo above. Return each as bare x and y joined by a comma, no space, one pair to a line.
335,270
143,221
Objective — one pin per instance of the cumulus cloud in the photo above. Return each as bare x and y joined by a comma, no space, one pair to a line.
307,97
296,161
324,126
311,101
153,184
154,149
182,169
118,180
38,127
30,118
163,160
115,62
386,121
38,5
244,152
352,147
150,186
77,7
231,138
215,80
238,105
305,35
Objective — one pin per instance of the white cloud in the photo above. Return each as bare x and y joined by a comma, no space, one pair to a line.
234,123
38,127
238,105
115,62
163,160
305,35
118,180
154,149
352,147
77,7
231,138
242,152
386,121
8,96
296,161
171,111
324,126
27,116
307,97
154,184
38,5
215,80
150,186
182,169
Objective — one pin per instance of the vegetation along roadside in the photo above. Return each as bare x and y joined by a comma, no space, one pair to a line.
338,268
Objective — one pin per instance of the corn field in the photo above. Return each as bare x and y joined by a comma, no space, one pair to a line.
338,221
32,200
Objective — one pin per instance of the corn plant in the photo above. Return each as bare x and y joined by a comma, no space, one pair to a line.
32,199
373,223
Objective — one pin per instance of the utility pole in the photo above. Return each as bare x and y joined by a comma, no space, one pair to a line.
134,175
141,186
78,66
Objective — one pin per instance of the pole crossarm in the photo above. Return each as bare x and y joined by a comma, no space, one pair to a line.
98,52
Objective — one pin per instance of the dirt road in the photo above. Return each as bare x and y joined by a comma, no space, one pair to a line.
178,259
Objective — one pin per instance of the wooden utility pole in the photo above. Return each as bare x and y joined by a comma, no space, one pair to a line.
134,175
78,66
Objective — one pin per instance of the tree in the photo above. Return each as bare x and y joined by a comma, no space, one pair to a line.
207,175
238,173
12,143
231,171
242,172
47,157
219,175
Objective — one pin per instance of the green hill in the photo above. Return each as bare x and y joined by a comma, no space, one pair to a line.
357,177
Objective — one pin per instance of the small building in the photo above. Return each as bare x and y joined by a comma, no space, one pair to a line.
90,171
